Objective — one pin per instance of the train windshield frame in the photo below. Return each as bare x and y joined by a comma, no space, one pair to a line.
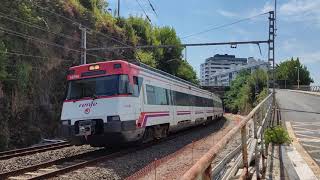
99,86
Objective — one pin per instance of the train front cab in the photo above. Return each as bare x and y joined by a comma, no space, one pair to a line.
102,110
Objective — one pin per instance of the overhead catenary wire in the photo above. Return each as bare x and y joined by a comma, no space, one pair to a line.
79,24
25,36
37,27
33,56
224,25
19,20
90,29
153,9
145,13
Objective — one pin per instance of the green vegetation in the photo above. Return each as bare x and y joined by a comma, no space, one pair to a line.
277,135
246,91
32,88
287,71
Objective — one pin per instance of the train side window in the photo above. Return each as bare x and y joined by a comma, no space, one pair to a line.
168,97
173,97
151,95
182,99
157,95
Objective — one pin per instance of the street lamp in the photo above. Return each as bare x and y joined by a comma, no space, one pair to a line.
298,77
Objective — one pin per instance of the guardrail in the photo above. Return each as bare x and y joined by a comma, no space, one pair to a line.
305,88
315,88
252,129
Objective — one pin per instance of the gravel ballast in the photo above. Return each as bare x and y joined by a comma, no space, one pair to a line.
37,158
122,167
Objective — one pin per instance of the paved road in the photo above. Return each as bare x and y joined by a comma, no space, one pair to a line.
303,111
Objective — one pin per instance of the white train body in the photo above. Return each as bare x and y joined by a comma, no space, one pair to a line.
115,101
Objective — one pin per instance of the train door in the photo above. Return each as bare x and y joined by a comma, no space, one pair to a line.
172,109
138,90
183,109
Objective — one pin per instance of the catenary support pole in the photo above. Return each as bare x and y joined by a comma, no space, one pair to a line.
118,9
83,44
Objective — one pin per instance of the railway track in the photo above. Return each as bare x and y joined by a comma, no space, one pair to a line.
61,166
64,165
31,150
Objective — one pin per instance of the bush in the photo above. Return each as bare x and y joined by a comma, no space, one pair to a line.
277,135
246,91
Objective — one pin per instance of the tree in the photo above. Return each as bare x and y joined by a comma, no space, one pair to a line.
146,58
3,62
287,71
4,134
165,59
246,91
91,4
186,72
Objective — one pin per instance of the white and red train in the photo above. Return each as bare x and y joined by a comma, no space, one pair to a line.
118,102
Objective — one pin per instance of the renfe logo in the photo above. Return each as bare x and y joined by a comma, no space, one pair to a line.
88,104
87,111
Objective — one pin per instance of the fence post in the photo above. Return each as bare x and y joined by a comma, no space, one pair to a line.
207,173
155,169
264,147
244,149
192,152
256,151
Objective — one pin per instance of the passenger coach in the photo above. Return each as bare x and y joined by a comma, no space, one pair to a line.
117,102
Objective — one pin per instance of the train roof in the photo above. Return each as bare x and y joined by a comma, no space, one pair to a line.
137,63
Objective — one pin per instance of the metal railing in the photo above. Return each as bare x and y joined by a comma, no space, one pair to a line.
252,146
315,88
305,88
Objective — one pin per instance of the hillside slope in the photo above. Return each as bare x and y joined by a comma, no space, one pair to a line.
40,39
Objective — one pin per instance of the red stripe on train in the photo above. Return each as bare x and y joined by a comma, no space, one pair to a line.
142,121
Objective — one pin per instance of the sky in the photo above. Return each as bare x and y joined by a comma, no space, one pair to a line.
298,24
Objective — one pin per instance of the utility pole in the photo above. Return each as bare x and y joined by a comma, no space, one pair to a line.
298,81
83,44
118,8
271,49
185,53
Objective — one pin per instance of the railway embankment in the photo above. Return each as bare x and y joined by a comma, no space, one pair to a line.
176,164
16,163
117,167
131,163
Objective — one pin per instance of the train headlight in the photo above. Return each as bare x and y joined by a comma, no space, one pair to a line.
94,67
113,118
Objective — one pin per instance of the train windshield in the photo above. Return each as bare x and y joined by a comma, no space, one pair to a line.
100,86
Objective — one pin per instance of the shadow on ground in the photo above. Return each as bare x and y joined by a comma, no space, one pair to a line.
128,164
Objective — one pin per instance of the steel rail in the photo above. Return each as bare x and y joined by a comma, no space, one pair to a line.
49,163
32,150
95,157
197,171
